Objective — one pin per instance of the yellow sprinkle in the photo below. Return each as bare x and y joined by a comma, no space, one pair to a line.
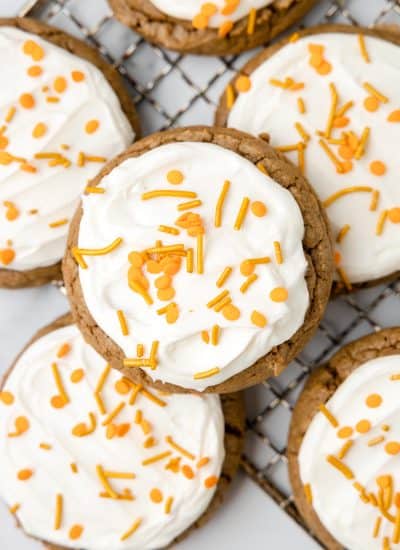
74,468
122,322
140,350
346,191
344,277
45,446
200,254
144,362
308,493
104,482
94,190
396,528
215,335
218,298
288,148
363,49
178,448
342,233
220,306
381,222
119,475
156,458
223,277
345,449
278,252
336,463
137,287
375,441
332,112
377,527
168,229
152,397
205,337
206,373
134,394
262,168
329,416
102,379
189,260
113,414
168,193
251,22
58,381
79,252
361,146
301,158
14,509
59,511
58,223
331,156
10,114
374,200
242,213
343,110
262,260
220,203
132,529
168,505
164,249
189,205
100,403
303,134
301,105
249,281
373,91
229,96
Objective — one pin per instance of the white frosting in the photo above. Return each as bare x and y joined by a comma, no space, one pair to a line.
188,9
335,500
120,212
267,108
104,520
53,191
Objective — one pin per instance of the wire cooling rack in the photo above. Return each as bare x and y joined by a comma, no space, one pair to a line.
170,90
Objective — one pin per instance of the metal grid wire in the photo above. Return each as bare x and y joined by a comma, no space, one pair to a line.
170,90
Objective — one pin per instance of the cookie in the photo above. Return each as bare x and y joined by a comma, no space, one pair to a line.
343,442
195,270
64,113
214,28
328,99
115,464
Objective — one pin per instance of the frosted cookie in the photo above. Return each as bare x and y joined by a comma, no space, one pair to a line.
344,446
195,270
328,97
89,460
63,113
216,28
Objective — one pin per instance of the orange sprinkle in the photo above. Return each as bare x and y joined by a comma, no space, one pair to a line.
21,424
251,22
200,21
279,294
220,203
301,105
208,9
77,375
223,277
229,96
243,83
175,177
60,84
394,215
7,255
231,312
75,532
210,482
345,449
206,373
92,126
258,319
27,101
39,130
377,168
12,212
34,71
342,233
58,223
14,509
205,336
329,416
392,448
156,495
63,350
394,116
373,400
337,257
345,432
45,446
122,386
248,282
74,467
187,471
371,104
241,214
203,462
258,208
375,93
363,426
225,28
10,114
77,76
247,267
339,465
230,7
24,475
156,458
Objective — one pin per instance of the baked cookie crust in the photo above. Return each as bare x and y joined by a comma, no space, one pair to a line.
316,244
234,415
179,35
320,387
42,275
390,33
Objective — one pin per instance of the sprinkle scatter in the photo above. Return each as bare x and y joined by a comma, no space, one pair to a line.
138,451
339,114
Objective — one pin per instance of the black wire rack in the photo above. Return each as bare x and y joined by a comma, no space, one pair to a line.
170,89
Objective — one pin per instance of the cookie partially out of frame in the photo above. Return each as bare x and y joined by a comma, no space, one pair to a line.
220,28
70,445
66,112
343,442
244,285
329,91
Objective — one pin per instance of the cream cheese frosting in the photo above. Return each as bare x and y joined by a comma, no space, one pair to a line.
60,121
231,295
347,88
350,491
161,462
223,10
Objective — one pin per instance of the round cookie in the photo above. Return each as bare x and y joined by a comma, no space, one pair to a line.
213,275
323,96
343,442
93,461
214,28
63,112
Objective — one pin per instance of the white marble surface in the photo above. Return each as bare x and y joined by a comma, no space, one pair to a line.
249,518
